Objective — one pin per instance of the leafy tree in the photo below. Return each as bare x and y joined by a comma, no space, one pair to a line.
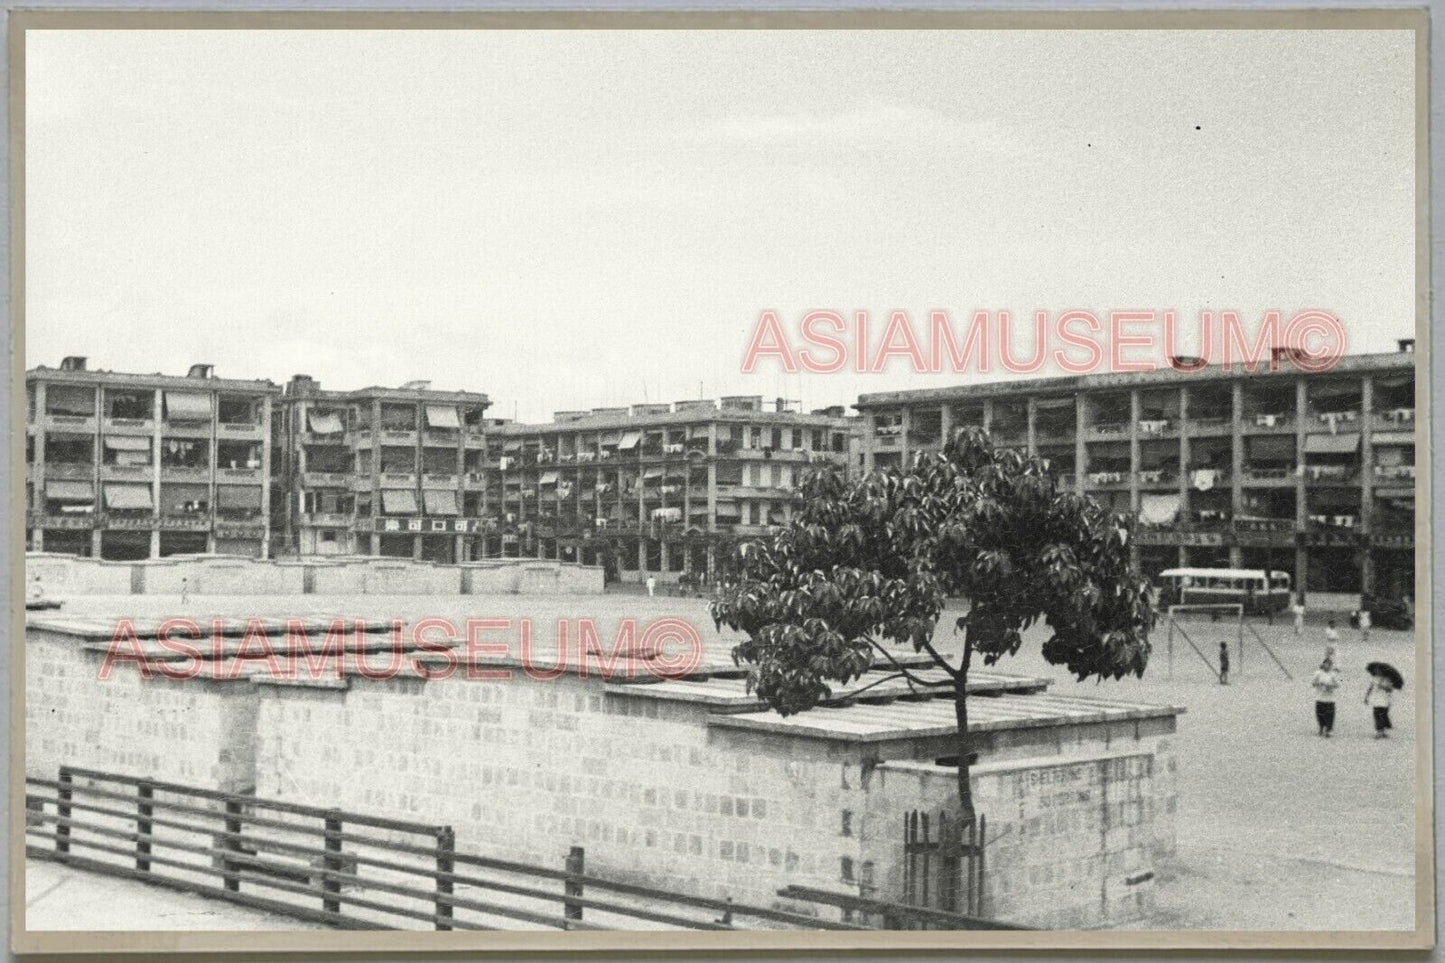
871,561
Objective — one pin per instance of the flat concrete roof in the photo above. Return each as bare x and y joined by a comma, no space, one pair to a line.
732,695
149,628
912,720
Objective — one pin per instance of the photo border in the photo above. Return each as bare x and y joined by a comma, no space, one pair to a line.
21,21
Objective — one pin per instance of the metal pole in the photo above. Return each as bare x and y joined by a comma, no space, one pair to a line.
576,860
143,827
332,862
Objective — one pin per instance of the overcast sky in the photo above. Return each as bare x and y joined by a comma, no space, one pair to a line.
569,220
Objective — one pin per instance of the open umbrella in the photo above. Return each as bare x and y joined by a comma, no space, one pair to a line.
1386,671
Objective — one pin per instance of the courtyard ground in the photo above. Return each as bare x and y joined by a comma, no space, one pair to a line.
1277,827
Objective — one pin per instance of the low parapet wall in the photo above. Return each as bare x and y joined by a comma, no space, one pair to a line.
58,576
685,785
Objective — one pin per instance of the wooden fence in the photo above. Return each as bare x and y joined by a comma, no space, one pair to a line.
342,869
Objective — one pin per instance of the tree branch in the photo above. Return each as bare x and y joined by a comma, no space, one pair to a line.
903,670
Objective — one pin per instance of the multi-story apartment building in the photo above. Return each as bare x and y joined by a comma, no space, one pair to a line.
655,489
1313,474
380,471
130,466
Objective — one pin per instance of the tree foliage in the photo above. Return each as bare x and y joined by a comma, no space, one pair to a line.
870,561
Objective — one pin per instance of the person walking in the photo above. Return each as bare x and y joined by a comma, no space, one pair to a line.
1378,697
185,589
1332,634
1224,663
1364,625
651,585
1298,608
1326,682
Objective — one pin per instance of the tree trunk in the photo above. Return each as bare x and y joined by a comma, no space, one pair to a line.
966,755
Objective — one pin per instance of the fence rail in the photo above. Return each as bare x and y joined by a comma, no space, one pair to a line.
342,869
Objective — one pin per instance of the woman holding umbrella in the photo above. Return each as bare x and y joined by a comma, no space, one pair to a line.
1385,680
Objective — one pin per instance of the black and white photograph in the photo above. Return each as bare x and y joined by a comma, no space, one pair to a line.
762,482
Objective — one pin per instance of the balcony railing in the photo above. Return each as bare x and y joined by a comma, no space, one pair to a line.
126,472
76,423
1270,421
186,473
1329,472
1262,473
67,520
1393,472
230,475
185,522
130,426
239,429
1395,416
326,479
1209,424
67,469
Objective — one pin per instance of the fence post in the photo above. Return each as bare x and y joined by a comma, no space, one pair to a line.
231,844
145,792
446,846
62,810
979,872
576,860
332,862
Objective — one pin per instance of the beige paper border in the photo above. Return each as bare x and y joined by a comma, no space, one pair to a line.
21,21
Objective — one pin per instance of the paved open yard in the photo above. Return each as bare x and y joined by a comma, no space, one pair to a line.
1278,828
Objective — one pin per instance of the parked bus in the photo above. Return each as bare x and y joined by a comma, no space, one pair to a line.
1258,591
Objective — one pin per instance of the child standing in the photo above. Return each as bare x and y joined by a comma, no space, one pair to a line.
1326,682
1224,663
1378,697
1332,634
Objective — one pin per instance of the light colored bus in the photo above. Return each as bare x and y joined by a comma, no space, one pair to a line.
1258,591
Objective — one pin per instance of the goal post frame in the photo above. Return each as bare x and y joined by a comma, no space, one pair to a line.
1235,609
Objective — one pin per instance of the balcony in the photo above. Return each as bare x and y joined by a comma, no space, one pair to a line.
1336,474
239,475
1112,479
183,473
136,522
361,483
240,528
1263,423
243,431
327,479
326,519
70,520
184,523
83,471
441,438
1210,425
1157,477
1158,427
398,479
439,480
1269,476
127,472
186,429
1264,532
129,426
398,436
80,424
1395,417
1387,474
474,438
1109,429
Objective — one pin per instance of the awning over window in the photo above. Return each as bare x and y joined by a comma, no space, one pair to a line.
128,443
442,416
629,440
121,496
439,502
70,491
398,501
652,473
1346,443
548,478
324,422
246,497
188,406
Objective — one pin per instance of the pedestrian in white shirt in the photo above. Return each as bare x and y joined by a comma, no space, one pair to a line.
1378,697
1325,682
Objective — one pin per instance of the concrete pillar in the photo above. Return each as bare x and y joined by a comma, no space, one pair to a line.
1081,452
158,422
1033,432
1184,455
1301,509
1367,486
265,477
